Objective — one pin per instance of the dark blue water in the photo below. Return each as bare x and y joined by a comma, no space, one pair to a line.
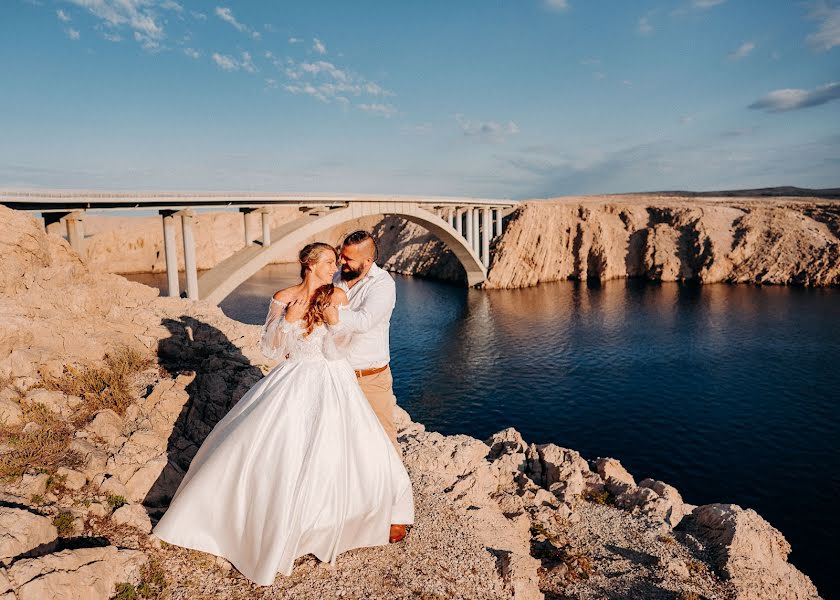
728,392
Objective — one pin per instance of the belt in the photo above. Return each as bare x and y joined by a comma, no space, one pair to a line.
366,372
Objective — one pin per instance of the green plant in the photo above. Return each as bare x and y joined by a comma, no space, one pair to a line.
56,482
125,591
667,538
63,521
696,566
115,501
36,499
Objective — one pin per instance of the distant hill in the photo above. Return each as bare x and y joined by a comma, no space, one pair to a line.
788,190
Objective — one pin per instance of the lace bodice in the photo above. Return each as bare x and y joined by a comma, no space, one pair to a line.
281,339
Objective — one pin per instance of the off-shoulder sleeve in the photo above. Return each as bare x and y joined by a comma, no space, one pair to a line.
337,341
278,335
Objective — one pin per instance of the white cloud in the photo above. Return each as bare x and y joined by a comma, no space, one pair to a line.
487,130
138,15
644,27
73,34
112,37
199,16
687,119
557,4
294,40
171,5
795,99
226,14
743,51
590,61
706,3
323,66
271,84
318,46
227,63
382,110
62,16
599,75
827,35
192,52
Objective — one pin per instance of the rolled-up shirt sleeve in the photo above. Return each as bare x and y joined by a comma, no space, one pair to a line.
377,306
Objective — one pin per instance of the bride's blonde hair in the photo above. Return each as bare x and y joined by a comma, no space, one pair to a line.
309,255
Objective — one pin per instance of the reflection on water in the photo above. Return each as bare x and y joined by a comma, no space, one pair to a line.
728,393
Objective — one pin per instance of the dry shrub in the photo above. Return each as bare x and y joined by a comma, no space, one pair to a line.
44,448
111,385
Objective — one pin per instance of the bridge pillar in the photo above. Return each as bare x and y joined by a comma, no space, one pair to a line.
190,270
476,242
485,238
266,227
75,231
450,217
459,220
468,224
170,253
497,223
248,237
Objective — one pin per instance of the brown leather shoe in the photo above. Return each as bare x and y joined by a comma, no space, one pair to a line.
397,534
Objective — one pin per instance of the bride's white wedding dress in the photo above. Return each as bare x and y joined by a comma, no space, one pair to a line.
299,465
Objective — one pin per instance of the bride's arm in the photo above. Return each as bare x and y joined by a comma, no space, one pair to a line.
277,335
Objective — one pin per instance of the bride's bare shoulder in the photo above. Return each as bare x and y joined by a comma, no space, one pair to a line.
285,295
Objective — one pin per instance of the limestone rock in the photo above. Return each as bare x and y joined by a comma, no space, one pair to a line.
55,402
95,459
612,472
10,413
107,425
134,515
750,552
81,574
561,470
520,570
73,480
22,531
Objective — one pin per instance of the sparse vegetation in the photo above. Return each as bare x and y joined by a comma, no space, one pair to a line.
110,385
41,449
688,595
152,586
63,521
115,501
667,538
36,499
696,567
602,496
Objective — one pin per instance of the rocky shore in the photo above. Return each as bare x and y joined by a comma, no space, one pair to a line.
107,390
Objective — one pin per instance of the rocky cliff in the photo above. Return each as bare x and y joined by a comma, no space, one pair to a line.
107,391
709,240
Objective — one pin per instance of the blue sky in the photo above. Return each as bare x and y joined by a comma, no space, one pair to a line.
504,98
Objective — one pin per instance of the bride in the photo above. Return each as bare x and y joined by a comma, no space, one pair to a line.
300,464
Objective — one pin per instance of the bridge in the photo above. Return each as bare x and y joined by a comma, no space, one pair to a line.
465,225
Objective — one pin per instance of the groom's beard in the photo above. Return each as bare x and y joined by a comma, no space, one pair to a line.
348,274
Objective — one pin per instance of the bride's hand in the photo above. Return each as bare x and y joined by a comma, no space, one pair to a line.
331,314
295,310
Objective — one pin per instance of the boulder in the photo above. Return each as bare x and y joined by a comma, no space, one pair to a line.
134,515
10,413
107,425
751,553
22,531
81,574
73,480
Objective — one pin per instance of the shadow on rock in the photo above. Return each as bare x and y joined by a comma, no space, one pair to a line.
215,375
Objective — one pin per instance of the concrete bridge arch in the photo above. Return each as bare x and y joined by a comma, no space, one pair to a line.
217,283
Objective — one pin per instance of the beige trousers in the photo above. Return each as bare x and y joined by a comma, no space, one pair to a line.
378,389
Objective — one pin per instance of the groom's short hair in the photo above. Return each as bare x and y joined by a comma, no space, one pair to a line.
357,237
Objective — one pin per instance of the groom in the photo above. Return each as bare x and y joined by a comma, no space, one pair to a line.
371,295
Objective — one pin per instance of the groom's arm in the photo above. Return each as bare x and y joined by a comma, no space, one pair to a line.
378,305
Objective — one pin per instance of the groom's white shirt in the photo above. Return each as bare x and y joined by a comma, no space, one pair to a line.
371,302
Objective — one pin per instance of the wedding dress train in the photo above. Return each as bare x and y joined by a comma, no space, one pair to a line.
299,465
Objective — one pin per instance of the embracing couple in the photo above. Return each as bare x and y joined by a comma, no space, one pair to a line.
307,461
